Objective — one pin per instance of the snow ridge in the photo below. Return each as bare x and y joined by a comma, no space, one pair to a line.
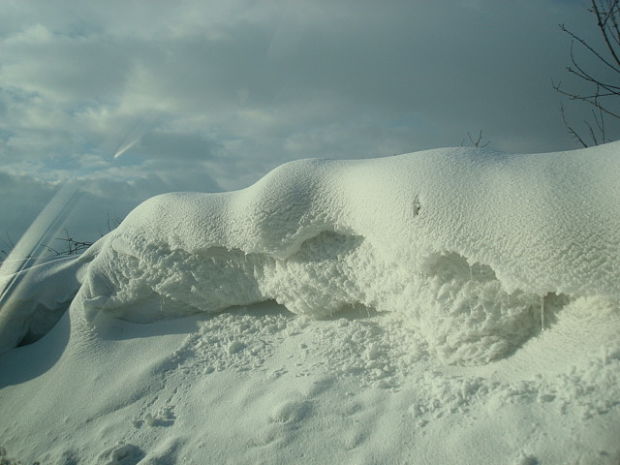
478,249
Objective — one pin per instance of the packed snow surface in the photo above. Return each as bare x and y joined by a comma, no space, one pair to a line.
452,306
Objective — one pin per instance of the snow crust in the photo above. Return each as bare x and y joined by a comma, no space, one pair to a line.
478,249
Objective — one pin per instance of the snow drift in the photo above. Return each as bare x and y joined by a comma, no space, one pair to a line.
455,254
478,249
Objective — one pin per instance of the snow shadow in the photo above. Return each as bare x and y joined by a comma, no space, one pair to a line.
30,361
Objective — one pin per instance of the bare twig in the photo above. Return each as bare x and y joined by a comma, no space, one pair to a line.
572,132
602,25
605,94
477,142
589,47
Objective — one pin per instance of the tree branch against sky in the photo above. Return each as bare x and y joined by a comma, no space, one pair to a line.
599,69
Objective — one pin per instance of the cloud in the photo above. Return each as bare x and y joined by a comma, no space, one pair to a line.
21,199
103,199
236,87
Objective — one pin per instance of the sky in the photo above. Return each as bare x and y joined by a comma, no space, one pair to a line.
132,98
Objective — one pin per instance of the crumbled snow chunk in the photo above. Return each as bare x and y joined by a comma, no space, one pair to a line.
235,347
163,417
291,411
372,352
525,459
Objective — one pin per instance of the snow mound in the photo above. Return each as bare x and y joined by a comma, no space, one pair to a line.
479,250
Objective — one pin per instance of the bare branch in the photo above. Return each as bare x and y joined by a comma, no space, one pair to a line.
50,249
600,118
600,95
602,99
591,49
584,74
603,28
478,142
614,11
592,133
571,131
590,100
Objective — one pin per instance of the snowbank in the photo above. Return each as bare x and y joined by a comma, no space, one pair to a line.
452,255
478,249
